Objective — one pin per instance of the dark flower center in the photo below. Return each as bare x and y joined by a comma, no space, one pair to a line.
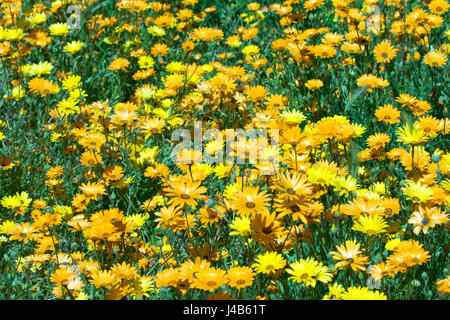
250,205
290,191
267,230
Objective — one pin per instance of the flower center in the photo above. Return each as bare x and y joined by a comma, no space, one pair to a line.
23,234
388,211
240,282
212,283
425,221
267,230
350,260
304,276
384,55
250,205
185,196
415,199
290,191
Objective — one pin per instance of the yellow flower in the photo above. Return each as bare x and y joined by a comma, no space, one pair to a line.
293,116
73,47
417,192
362,293
412,136
241,226
250,50
435,59
269,262
309,271
6,225
37,18
71,82
314,84
370,225
156,31
335,292
392,244
59,29
146,62
384,51
40,68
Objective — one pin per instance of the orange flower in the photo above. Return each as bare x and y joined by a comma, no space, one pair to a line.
93,190
119,64
22,232
388,114
43,86
185,193
314,84
256,94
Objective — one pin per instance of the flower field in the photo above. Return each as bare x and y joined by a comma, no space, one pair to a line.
215,150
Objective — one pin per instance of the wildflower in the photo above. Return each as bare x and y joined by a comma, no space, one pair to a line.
73,47
408,253
43,86
435,59
269,263
103,279
361,293
335,292
185,193
59,29
250,200
412,136
370,225
349,254
384,51
417,192
309,271
314,84
266,227
240,277
22,232
119,64
443,286
438,6
209,279
427,218
92,190
240,226
387,114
